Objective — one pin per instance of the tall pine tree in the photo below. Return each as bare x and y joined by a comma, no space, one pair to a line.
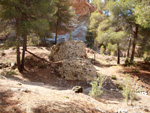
22,16
62,17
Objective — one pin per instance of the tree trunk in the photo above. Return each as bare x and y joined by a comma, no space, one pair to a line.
18,54
128,53
134,43
94,57
56,32
118,61
23,52
25,43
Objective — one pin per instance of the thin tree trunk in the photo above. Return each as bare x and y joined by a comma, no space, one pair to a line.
56,32
94,57
128,53
18,54
134,43
23,52
118,61
25,44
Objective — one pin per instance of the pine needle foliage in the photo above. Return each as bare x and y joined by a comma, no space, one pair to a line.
128,91
97,85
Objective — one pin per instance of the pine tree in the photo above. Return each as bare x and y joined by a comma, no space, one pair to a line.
142,11
127,12
22,16
62,17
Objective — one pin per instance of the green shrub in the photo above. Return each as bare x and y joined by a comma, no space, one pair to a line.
128,91
6,73
33,40
135,70
147,60
120,87
11,42
114,77
128,63
102,49
97,84
41,66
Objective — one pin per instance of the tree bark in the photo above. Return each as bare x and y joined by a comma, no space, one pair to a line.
25,43
94,57
18,54
128,53
118,61
23,52
134,43
56,32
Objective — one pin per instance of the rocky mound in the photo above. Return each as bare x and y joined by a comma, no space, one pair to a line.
69,49
77,69
73,63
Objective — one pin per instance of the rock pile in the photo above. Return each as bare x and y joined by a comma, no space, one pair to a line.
73,62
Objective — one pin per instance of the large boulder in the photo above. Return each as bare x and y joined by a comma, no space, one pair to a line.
77,69
66,50
71,61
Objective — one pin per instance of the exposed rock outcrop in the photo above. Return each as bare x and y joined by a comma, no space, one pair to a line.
82,7
66,50
80,22
72,61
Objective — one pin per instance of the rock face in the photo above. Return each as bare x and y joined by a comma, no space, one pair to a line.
82,7
68,49
80,22
73,63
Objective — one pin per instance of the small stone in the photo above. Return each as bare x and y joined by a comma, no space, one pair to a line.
77,89
146,110
19,84
15,89
3,54
13,65
25,90
122,111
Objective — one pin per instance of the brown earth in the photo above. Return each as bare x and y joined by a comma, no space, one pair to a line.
38,89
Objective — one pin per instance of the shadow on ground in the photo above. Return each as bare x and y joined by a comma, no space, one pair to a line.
63,107
7,105
142,72
98,64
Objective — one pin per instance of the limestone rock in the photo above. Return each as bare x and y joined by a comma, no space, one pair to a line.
78,25
13,65
69,49
77,89
77,69
71,61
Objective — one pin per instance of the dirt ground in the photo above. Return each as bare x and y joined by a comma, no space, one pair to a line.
40,90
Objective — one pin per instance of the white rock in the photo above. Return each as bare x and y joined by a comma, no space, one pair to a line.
122,111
